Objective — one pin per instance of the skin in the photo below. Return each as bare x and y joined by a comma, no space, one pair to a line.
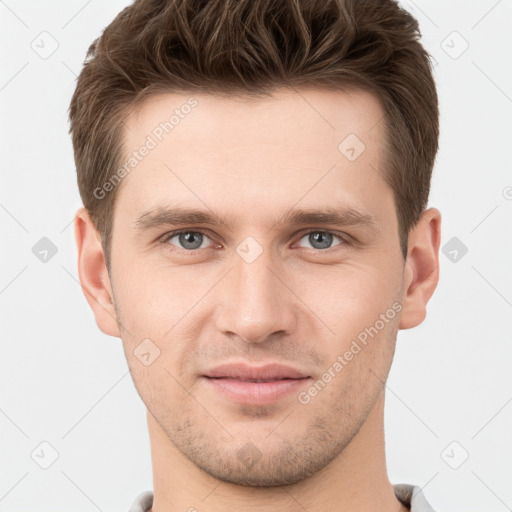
298,303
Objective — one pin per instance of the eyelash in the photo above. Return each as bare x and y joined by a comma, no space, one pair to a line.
342,236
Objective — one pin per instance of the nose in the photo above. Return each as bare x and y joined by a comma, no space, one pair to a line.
255,300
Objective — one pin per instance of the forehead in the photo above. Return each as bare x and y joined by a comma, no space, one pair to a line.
309,116
296,143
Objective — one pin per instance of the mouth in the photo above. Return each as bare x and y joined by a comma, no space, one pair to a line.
266,373
255,380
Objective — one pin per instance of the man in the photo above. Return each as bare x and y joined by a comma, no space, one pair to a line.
255,178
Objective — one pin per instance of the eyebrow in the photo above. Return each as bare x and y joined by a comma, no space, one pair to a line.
177,216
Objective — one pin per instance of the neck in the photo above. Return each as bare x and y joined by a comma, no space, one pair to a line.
355,481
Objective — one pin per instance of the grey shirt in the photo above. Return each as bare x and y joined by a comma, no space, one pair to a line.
410,495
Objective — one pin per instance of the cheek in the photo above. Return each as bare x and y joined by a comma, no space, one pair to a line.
159,322
359,312
350,297
145,299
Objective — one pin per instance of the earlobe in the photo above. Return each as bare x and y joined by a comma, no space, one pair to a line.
93,274
421,273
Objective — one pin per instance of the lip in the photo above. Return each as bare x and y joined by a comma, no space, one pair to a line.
244,372
236,382
255,393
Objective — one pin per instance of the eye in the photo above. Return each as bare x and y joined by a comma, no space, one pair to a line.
188,240
322,239
191,240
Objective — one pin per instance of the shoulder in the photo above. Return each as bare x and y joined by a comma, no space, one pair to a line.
412,496
143,502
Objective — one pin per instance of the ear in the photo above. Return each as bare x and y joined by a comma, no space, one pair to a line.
93,274
421,272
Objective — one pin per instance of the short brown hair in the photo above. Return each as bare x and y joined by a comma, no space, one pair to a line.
251,47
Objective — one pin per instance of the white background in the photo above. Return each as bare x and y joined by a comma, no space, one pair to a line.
66,383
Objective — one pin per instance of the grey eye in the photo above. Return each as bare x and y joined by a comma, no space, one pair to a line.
189,240
320,239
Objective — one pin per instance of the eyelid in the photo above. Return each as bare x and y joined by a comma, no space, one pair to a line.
307,231
164,239
344,237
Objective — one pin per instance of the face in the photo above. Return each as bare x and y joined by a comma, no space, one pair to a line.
264,284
